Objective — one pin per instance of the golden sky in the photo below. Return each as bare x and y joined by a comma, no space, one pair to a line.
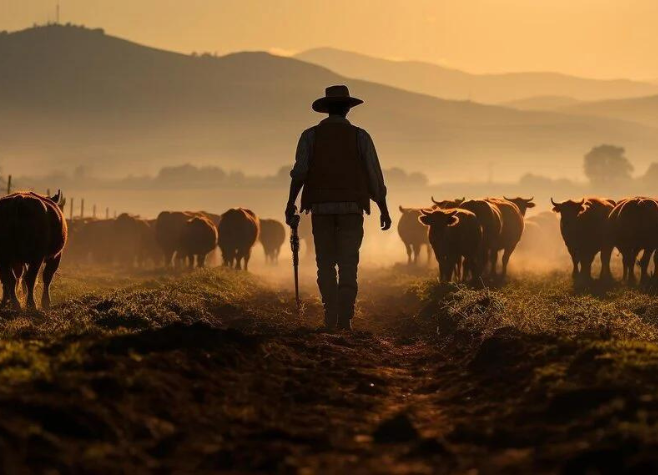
597,38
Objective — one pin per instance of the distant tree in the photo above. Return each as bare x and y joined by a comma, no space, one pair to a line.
607,165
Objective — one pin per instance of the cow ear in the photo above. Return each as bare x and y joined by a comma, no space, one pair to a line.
556,209
530,204
453,220
402,210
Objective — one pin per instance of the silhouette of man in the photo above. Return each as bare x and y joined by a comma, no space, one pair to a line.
337,166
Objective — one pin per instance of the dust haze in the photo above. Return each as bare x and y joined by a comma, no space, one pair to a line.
145,162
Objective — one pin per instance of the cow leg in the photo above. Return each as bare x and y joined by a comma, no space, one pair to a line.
201,260
416,249
493,262
9,286
31,280
644,266
235,260
454,270
574,261
506,256
6,292
246,257
429,254
629,262
48,273
409,252
586,267
606,255
443,269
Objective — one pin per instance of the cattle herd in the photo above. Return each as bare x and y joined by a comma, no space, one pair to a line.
34,234
467,236
174,239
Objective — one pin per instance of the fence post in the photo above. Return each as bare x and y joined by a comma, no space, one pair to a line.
48,192
71,210
107,213
82,208
9,185
115,214
94,212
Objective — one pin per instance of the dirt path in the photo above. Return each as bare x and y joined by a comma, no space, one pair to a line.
213,372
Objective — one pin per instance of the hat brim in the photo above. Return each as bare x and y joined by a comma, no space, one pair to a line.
322,104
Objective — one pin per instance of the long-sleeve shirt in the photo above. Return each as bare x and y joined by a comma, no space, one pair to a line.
376,186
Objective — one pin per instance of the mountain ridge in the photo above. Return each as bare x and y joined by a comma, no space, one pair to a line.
78,97
450,83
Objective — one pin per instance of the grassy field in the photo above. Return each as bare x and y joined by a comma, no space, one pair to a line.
213,371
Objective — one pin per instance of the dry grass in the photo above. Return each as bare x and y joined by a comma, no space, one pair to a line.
214,371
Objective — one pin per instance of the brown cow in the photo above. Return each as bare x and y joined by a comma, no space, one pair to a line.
413,233
238,232
272,236
511,232
491,221
198,238
33,232
455,235
168,230
586,232
634,228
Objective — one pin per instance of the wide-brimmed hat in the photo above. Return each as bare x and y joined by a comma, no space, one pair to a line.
335,95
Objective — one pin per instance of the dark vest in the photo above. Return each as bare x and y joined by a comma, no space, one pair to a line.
336,172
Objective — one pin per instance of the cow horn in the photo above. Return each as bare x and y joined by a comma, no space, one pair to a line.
582,202
401,209
426,212
507,199
434,201
529,200
57,196
554,203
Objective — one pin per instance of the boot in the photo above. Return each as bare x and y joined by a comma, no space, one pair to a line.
330,318
345,325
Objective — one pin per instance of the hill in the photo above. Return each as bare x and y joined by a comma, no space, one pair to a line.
449,83
542,103
73,96
643,110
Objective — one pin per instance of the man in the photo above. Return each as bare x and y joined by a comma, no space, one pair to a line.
337,166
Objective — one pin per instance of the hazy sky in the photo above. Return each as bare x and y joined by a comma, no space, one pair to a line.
598,38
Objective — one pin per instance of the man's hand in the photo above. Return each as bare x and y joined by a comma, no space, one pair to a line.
385,221
292,219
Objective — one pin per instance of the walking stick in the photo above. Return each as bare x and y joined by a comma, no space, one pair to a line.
294,246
